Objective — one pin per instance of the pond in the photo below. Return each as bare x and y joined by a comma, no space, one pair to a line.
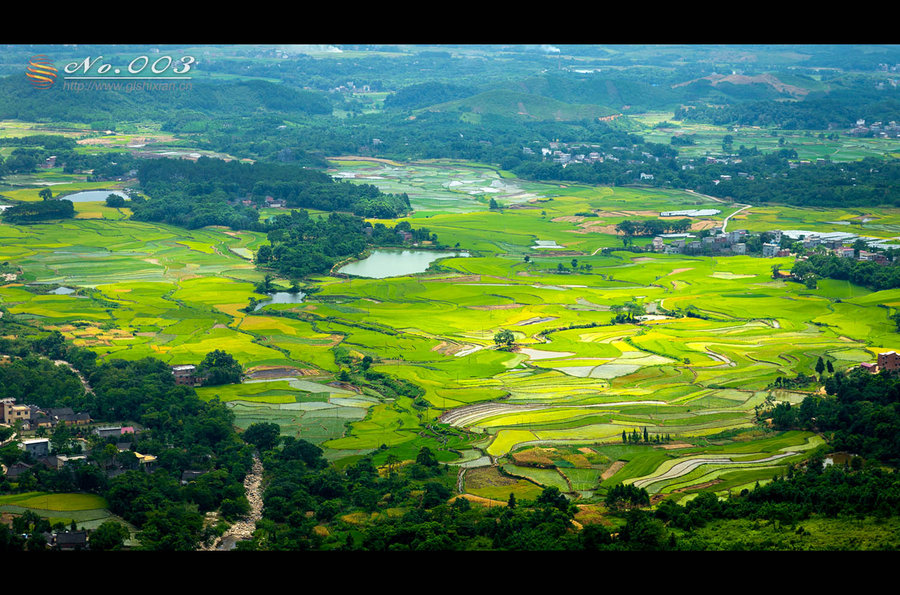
93,195
281,297
395,263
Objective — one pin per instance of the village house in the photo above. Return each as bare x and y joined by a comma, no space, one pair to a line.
113,431
146,462
68,416
888,360
69,540
10,412
737,235
59,461
36,447
873,257
186,374
16,469
189,476
769,249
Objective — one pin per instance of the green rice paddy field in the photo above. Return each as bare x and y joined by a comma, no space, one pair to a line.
575,379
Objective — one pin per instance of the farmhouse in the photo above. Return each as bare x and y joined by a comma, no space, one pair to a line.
186,374
37,447
888,360
769,250
845,252
113,431
70,540
10,412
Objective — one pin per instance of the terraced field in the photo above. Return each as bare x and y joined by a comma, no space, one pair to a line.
573,379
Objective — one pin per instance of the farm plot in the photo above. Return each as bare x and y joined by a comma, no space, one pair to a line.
720,330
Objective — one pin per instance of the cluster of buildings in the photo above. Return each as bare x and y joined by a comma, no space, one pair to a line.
889,360
564,153
40,452
33,417
889,130
269,202
732,242
350,87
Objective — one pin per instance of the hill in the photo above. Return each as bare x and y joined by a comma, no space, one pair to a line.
523,106
19,101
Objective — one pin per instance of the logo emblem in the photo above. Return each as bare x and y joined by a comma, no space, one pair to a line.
40,72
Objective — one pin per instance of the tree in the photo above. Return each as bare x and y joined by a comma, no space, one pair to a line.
46,194
829,367
115,201
727,142
504,339
61,438
219,367
820,366
552,497
171,528
264,254
493,205
109,536
265,286
263,435
426,457
391,462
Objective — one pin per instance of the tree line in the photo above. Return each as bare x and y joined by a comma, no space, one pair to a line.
211,192
859,272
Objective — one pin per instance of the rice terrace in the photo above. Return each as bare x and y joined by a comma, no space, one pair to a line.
609,348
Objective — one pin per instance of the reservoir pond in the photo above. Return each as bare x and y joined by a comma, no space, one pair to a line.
382,264
93,195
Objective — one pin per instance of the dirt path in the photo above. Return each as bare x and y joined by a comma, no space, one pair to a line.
244,528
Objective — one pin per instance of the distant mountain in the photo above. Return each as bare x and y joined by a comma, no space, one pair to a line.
524,106
766,83
425,94
18,100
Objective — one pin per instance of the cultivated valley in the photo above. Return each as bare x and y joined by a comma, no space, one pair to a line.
609,307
